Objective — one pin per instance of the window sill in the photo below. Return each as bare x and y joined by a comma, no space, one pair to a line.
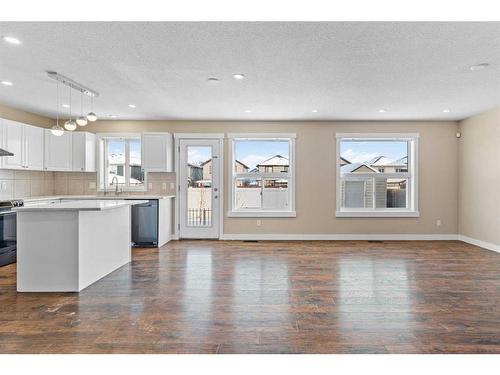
262,214
377,214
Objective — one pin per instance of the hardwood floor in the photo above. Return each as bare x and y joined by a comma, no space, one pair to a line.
270,297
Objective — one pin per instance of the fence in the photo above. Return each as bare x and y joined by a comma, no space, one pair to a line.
199,217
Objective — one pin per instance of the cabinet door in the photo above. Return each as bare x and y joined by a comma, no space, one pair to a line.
78,151
58,152
154,151
83,152
33,144
13,139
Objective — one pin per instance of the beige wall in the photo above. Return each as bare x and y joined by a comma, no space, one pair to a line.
315,187
479,177
14,114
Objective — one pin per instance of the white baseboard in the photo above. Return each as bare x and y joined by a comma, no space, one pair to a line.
483,244
339,237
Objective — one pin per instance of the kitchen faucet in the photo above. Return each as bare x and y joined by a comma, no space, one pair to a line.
116,188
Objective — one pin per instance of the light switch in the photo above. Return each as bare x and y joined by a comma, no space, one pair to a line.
150,185
172,186
164,186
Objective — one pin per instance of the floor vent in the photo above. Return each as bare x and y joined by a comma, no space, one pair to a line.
250,241
376,241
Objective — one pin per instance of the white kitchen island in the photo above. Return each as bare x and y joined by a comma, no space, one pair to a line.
67,246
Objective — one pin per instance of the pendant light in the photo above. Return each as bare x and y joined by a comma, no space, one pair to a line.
91,116
81,120
57,130
70,124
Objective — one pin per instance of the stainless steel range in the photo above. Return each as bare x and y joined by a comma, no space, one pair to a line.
8,229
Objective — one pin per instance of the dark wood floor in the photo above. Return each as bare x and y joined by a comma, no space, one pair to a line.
270,297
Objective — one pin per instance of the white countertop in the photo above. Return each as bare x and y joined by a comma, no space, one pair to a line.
80,205
97,197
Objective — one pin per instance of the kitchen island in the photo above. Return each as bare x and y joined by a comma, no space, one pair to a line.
67,246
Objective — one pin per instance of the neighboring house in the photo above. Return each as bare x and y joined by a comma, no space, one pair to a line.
390,193
194,172
274,164
344,161
385,165
207,168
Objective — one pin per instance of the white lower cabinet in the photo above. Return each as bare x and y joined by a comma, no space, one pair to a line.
58,152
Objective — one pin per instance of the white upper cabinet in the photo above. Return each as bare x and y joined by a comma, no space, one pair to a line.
58,152
13,141
33,140
25,142
157,152
83,152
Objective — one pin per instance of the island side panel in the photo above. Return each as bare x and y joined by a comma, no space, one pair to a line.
104,242
47,251
164,221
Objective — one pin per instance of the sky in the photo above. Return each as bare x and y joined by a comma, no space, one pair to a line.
118,147
252,153
361,151
249,153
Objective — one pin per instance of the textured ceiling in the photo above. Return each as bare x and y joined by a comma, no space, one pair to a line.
344,70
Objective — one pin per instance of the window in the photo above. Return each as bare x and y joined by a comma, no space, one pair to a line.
120,163
377,175
263,175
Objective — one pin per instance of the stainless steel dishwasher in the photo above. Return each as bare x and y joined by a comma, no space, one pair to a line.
145,224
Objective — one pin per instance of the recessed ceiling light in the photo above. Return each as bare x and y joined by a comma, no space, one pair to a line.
446,110
11,40
247,111
314,111
7,83
131,105
238,76
478,66
213,80
382,110
65,105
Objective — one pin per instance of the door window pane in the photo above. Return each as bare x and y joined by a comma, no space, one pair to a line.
199,186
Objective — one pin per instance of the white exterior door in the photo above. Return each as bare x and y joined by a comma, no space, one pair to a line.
199,183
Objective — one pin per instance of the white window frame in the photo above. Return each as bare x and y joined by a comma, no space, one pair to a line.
102,155
412,176
290,175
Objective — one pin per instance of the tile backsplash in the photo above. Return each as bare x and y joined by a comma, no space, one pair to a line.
24,184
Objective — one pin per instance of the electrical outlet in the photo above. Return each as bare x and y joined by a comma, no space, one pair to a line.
172,186
163,186
259,223
438,222
150,185
92,185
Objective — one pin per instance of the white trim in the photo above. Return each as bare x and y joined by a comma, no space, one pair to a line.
378,136
377,213
411,175
340,237
271,136
261,213
483,244
194,136
199,135
290,175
